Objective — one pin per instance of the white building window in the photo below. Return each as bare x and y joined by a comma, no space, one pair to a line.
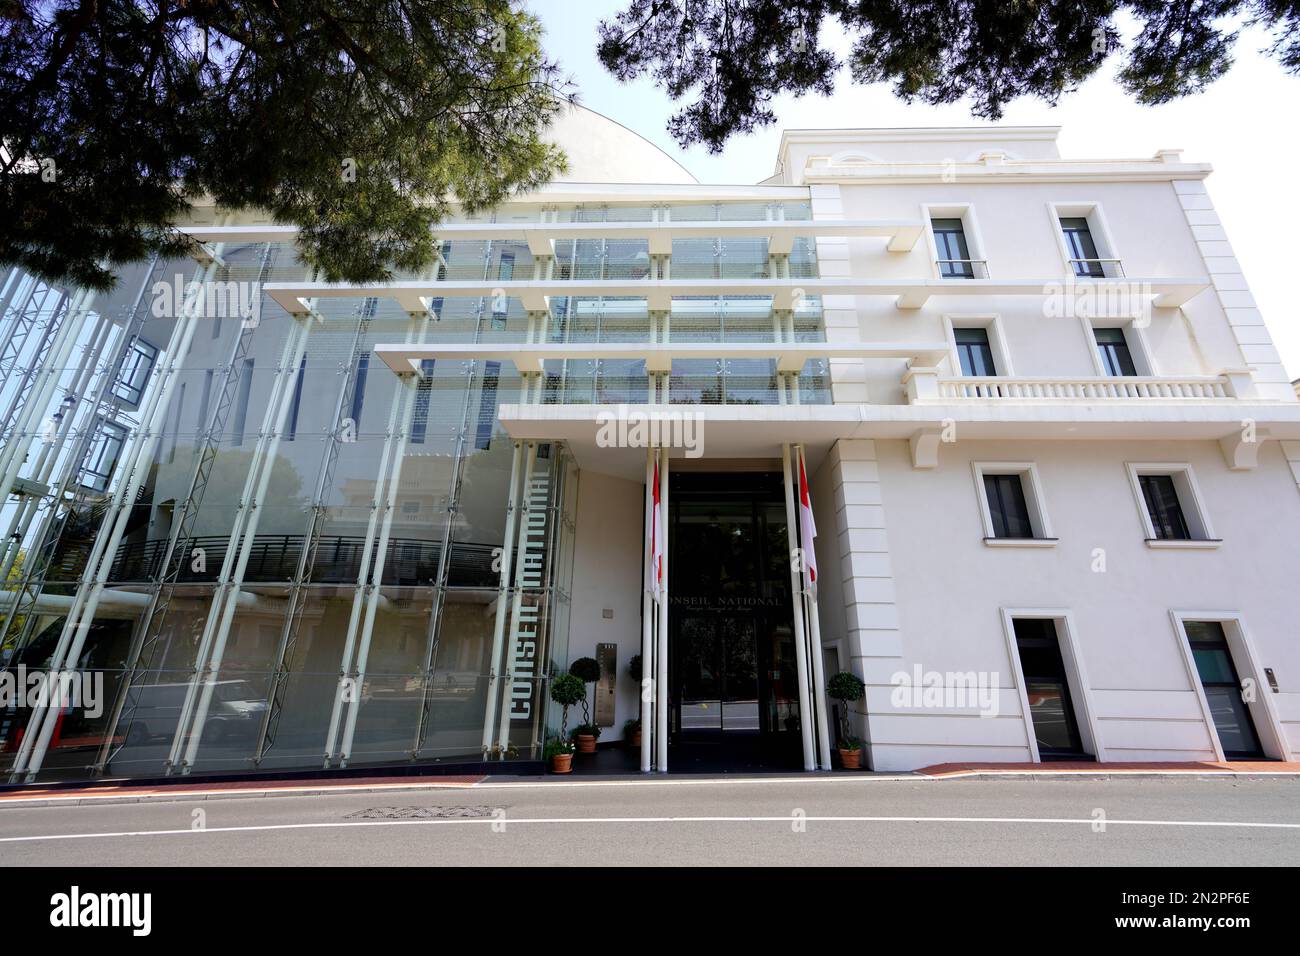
137,364
103,456
1118,348
977,346
955,244
1169,503
1085,241
1011,504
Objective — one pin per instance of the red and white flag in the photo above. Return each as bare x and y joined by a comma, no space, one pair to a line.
807,528
656,540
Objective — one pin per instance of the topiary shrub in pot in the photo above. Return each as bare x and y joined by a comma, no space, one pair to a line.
587,670
567,690
632,733
846,688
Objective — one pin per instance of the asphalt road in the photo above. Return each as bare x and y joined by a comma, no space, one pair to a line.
856,820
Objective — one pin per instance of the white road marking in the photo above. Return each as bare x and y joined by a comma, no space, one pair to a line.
588,821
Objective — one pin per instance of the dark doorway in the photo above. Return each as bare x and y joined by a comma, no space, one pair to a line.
1051,709
1237,734
733,701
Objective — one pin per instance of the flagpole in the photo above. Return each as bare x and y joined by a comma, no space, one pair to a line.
806,720
815,640
647,617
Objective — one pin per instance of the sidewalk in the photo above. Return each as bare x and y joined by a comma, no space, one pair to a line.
1068,768
125,793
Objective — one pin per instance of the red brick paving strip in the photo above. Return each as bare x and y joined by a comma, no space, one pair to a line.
1071,766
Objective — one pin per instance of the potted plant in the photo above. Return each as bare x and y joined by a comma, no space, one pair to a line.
587,670
567,690
845,688
634,668
559,754
584,735
632,732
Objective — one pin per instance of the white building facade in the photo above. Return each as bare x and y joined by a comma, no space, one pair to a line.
1052,456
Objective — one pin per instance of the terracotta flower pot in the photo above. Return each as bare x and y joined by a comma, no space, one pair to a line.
561,763
636,740
851,759
586,743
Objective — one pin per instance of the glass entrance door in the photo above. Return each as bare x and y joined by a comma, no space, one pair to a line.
733,697
717,675
1051,711
1237,734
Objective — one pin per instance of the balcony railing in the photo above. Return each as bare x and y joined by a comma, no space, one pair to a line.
926,385
963,268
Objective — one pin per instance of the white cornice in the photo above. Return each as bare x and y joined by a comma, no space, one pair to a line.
818,171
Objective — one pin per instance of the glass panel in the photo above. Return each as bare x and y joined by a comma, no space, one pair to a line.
1007,506
950,243
1116,359
700,680
1232,721
1048,705
1162,503
1082,249
974,352
1214,665
740,710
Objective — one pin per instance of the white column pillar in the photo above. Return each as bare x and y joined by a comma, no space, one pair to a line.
661,658
806,719
647,617
495,670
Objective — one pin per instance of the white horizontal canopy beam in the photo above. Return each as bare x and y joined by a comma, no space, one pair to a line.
790,356
541,236
535,296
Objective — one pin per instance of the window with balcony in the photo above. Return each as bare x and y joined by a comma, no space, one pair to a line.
1082,250
953,252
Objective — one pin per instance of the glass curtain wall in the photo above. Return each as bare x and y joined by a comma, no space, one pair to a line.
263,550
348,613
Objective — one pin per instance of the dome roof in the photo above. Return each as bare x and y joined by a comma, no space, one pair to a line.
603,151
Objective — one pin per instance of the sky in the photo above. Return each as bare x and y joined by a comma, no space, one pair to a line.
1240,125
